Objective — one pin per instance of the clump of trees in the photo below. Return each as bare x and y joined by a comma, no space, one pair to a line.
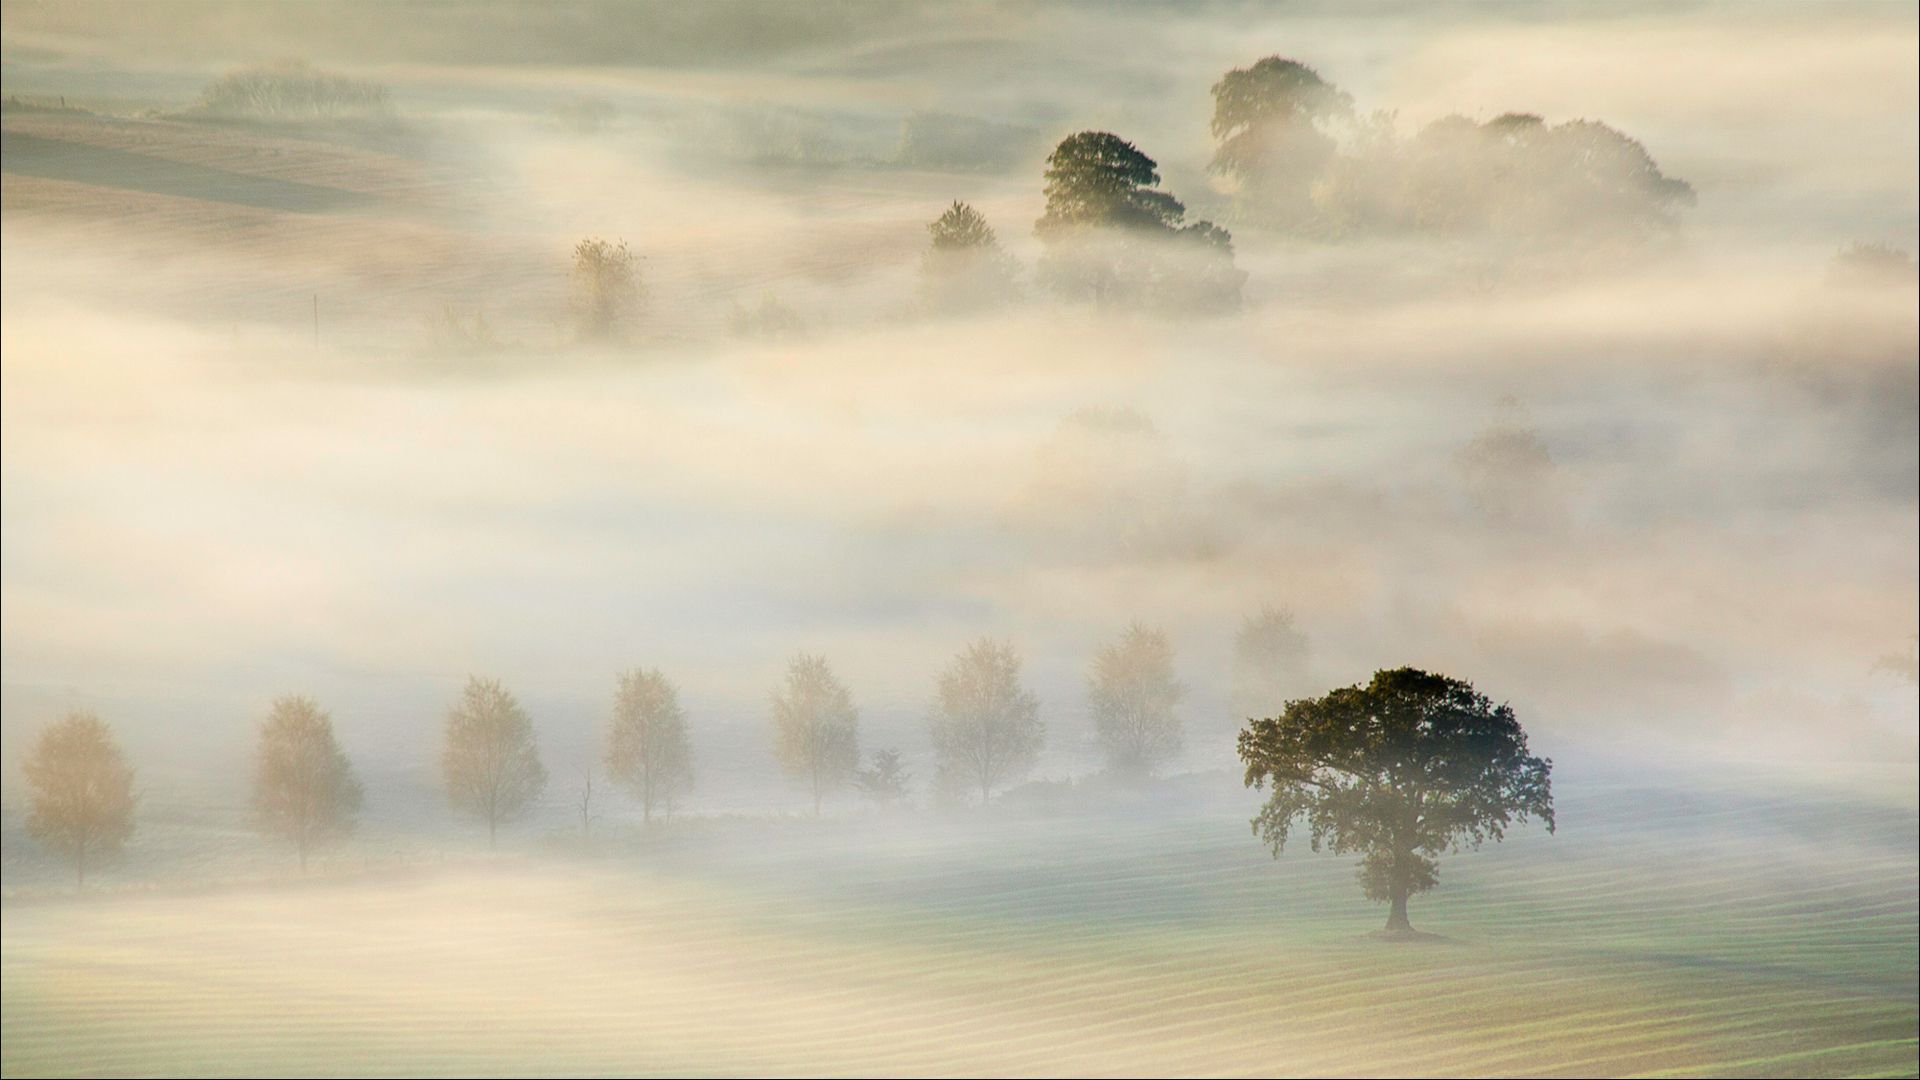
490,763
815,726
1399,771
1303,162
986,726
606,289
1112,237
304,790
647,746
1132,695
965,269
82,803
292,90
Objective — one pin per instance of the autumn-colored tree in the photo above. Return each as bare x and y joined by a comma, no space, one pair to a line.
1132,694
816,729
304,790
1400,770
986,726
82,791
490,763
647,746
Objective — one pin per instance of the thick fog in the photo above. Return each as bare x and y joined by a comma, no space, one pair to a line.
251,451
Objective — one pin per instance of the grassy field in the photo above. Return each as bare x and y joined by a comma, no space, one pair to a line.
1659,933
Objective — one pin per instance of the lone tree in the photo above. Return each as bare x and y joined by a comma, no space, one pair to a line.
491,765
82,791
1106,229
303,788
816,729
986,726
885,781
1132,693
1407,767
965,269
606,284
647,748
1269,119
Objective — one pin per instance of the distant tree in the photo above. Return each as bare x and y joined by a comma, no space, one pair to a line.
815,726
1508,471
1874,265
1269,120
986,726
1269,662
304,790
885,781
1400,770
1132,694
647,747
772,319
606,284
82,791
491,765
965,268
1107,231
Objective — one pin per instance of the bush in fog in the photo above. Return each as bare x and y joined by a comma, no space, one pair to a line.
1271,121
647,745
769,319
304,790
1269,663
816,729
885,781
1113,238
1400,770
986,726
606,289
490,763
1874,265
82,791
292,91
1132,695
964,268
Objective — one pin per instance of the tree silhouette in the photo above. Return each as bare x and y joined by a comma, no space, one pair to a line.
965,268
1268,119
986,726
1401,770
82,791
815,726
490,763
1132,693
304,790
647,747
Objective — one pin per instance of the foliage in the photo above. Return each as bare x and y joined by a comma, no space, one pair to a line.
82,791
1132,694
490,763
964,268
1400,770
986,726
885,781
815,726
1269,662
1269,120
606,283
304,789
292,90
647,747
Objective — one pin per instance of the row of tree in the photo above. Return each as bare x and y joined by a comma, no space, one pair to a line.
984,725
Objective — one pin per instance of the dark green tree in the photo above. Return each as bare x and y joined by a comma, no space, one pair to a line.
1268,119
885,782
965,269
1401,770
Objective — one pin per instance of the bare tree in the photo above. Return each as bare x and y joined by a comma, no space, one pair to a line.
647,748
303,787
815,726
82,791
491,764
586,799
986,726
1132,694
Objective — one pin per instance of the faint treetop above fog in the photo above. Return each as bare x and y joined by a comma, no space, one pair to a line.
816,730
1132,695
1874,265
965,269
292,90
304,789
1270,657
1269,121
986,725
1507,471
82,803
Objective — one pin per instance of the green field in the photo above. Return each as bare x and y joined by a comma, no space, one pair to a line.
1660,933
